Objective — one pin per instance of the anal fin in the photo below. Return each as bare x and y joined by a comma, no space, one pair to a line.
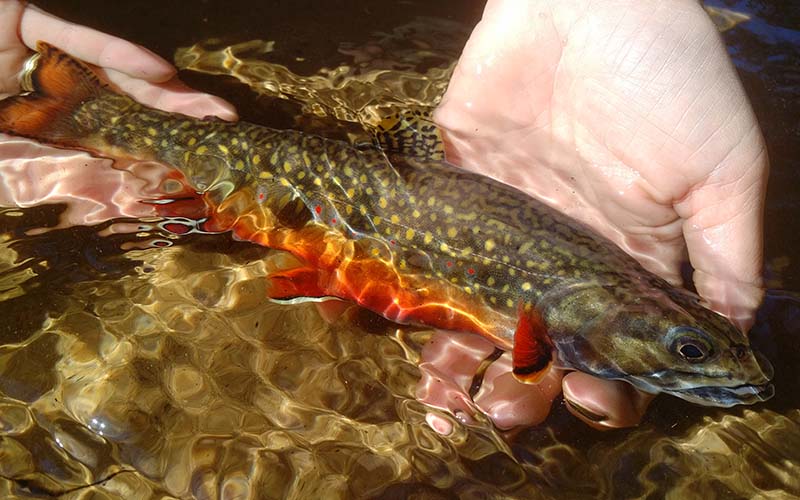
298,284
532,354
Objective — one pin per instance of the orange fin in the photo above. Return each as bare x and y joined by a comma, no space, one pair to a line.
299,284
59,84
533,350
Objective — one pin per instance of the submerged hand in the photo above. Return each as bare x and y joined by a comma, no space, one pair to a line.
629,117
132,68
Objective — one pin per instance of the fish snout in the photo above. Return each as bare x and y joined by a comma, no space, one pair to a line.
756,368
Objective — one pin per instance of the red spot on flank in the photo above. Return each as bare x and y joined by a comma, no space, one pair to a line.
449,264
471,271
318,209
333,221
393,242
261,196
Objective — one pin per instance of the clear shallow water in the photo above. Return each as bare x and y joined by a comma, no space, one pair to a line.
164,371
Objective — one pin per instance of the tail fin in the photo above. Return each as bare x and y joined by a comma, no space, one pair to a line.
59,85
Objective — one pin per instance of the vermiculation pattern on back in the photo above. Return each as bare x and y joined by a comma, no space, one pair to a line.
428,218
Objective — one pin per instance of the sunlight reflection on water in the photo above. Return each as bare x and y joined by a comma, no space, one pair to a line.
165,371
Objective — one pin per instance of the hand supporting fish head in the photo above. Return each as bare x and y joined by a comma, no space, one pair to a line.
668,342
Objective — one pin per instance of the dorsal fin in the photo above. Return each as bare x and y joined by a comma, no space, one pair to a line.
408,131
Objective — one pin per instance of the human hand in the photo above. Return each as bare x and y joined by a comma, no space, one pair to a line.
131,68
92,192
629,117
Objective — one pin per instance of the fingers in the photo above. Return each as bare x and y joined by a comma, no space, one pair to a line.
12,53
133,69
92,46
510,403
173,96
724,231
449,366
604,404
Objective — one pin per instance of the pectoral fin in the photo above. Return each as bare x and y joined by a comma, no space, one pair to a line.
533,350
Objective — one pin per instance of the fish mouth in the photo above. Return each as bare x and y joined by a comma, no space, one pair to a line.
745,394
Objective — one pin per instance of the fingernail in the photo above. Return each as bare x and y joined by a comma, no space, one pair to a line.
589,415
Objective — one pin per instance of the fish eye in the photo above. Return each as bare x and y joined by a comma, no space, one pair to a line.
691,351
691,345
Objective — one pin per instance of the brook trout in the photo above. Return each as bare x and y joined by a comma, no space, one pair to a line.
413,239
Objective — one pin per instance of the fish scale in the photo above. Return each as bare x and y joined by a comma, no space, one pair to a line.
394,228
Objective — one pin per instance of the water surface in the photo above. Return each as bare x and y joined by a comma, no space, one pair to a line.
140,363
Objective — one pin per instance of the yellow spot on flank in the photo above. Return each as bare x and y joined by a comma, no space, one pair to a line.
234,141
526,286
239,165
490,281
443,247
377,220
431,201
410,234
285,182
468,289
148,141
351,192
152,131
245,146
363,178
201,150
489,245
301,175
306,159
448,209
171,132
509,303
375,252
164,143
369,191
493,300
452,232
395,219
223,148
256,159
287,167
363,209
317,181
265,175
416,213
428,237
382,203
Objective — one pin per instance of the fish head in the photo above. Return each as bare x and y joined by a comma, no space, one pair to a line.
669,342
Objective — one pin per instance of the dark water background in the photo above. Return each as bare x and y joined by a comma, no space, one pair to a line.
766,50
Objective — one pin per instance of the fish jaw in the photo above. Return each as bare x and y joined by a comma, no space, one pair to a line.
726,397
752,385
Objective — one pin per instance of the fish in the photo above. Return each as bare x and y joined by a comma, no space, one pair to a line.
394,228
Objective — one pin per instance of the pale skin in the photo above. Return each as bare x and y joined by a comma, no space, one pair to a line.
626,115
